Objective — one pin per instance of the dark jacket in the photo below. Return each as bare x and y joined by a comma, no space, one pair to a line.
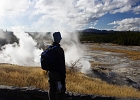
59,71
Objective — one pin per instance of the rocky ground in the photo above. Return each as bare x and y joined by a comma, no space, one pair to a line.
113,67
32,93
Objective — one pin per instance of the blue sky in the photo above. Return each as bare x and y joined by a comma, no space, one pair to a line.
57,15
108,18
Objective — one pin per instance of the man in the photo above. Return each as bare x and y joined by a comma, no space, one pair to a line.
57,75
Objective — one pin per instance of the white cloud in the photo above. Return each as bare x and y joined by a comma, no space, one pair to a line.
16,13
132,24
115,6
70,14
136,10
80,12
12,7
122,10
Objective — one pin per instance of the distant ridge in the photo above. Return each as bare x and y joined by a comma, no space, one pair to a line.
90,30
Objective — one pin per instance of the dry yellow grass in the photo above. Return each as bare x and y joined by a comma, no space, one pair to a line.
76,82
135,55
22,76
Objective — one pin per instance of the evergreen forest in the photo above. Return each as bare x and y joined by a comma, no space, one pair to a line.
115,37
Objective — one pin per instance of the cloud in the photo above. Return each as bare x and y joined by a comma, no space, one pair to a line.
77,13
8,7
16,13
45,15
136,10
122,10
132,24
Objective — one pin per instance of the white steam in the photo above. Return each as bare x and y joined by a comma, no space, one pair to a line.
74,51
24,53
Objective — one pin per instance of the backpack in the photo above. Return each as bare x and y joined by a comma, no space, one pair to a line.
47,59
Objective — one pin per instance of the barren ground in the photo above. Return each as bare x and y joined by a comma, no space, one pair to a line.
114,67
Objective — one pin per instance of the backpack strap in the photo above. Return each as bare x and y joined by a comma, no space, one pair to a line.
51,46
54,47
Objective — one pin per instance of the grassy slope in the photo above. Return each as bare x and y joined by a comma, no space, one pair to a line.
76,82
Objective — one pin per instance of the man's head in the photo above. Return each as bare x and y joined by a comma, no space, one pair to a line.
57,37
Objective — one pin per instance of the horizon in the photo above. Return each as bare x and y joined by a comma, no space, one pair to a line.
76,30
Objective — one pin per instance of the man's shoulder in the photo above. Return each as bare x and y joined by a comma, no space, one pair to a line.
58,48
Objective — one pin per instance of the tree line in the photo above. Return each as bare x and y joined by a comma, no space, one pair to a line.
116,37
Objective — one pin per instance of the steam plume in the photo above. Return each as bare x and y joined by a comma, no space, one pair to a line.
24,53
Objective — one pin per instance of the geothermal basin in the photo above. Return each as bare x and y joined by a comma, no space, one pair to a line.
114,67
